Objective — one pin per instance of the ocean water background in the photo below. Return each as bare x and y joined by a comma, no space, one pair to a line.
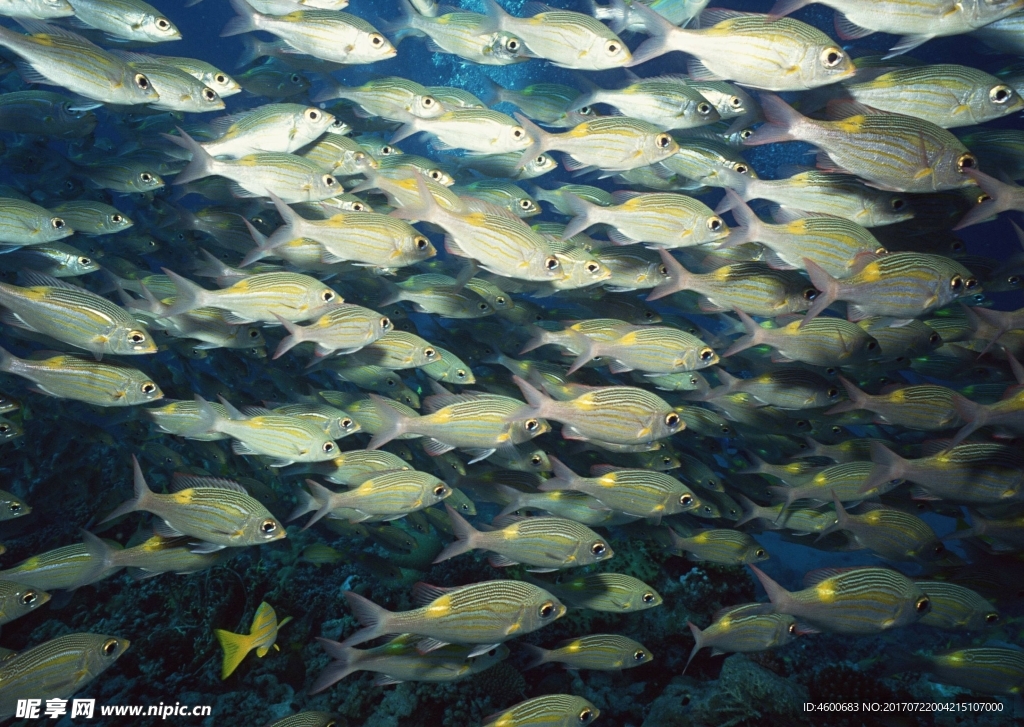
67,476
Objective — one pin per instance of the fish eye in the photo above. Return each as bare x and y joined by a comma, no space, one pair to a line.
552,263
209,94
598,549
648,597
585,715
991,618
435,174
831,57
525,204
612,47
970,283
546,609
956,283
429,353
663,270
421,243
253,333
428,101
268,526
832,393
385,323
57,223
109,647
725,429
327,296
965,162
663,141
714,224
735,101
536,459
500,300
792,628
142,81
531,425
346,423
358,207
376,40
1000,94
672,419
802,424
897,481
540,160
741,169
460,373
593,268
14,507
897,203
746,134
872,345
518,132
148,388
706,354
29,597
387,150
163,24
703,109
136,336
4,428
585,110
146,177
389,382
512,44
810,293
1013,280
116,219
759,552
686,499
922,604
220,78
329,181
295,78
328,447
312,114
439,490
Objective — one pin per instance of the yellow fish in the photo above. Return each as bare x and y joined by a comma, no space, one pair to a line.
261,637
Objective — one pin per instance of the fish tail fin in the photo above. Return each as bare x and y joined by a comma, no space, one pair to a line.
1001,199
7,360
427,210
976,416
679,278
783,124
393,423
827,286
537,402
493,93
246,21
778,595
563,477
330,91
750,225
538,337
264,246
294,338
207,419
139,501
541,141
252,48
785,495
320,496
411,125
495,17
306,504
373,618
202,164
589,350
345,661
755,335
188,295
465,536
584,212
738,183
782,8
660,29
101,557
842,518
888,466
858,399
751,510
236,647
535,656
698,642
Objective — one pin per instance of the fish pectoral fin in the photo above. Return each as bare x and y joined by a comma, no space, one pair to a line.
481,649
425,646
264,650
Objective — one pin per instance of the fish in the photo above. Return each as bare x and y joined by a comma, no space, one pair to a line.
859,600
553,709
604,652
65,568
773,54
819,342
126,19
608,143
660,220
12,506
543,544
719,546
216,511
280,128
611,592
888,532
643,493
38,9
461,34
989,670
60,667
261,637
16,600
384,495
70,377
382,96
889,151
23,223
330,35
957,607
398,661
486,614
743,629
925,407
346,328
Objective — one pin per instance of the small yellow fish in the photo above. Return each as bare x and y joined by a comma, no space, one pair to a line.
261,637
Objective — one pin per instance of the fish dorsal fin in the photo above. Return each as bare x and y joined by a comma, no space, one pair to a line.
506,520
37,26
425,593
435,403
222,124
847,30
181,481
815,577
935,446
746,609
435,448
843,108
33,278
130,57
714,16
233,413
599,470
255,411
